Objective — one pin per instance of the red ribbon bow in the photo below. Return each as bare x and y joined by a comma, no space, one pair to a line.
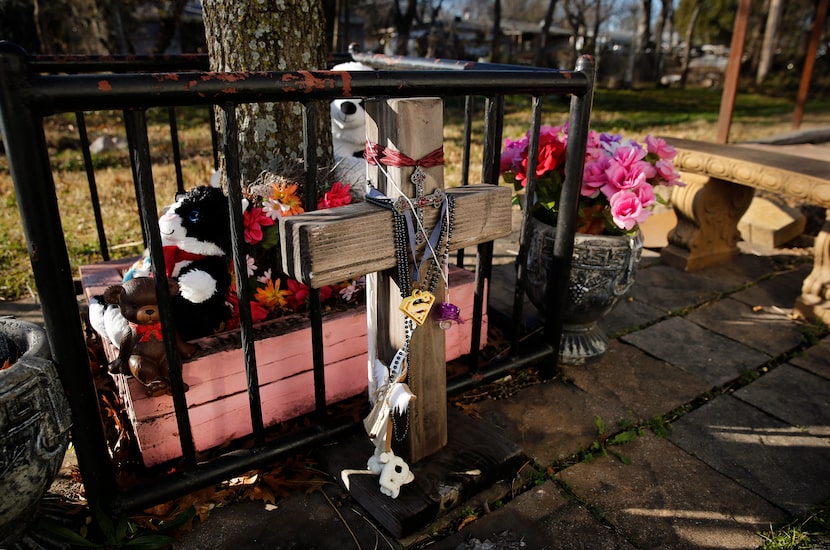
146,332
378,154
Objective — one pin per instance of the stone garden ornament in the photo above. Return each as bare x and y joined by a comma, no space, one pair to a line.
617,194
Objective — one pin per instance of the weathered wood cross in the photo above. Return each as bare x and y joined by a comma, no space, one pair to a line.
329,246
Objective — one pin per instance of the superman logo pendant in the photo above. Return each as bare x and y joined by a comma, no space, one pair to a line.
418,305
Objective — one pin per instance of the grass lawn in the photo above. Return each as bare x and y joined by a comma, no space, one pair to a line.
691,113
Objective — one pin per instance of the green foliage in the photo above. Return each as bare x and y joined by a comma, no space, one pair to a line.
715,23
102,531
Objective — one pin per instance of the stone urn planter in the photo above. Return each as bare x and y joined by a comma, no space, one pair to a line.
34,425
602,270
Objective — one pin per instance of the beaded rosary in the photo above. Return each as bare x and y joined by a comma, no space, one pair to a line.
409,232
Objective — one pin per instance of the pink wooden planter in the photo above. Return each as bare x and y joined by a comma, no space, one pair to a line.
218,398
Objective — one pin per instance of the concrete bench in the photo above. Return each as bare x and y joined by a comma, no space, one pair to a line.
720,182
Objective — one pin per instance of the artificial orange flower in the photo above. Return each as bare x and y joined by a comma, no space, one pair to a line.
286,195
271,296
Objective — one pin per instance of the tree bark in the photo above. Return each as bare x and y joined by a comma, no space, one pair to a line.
273,35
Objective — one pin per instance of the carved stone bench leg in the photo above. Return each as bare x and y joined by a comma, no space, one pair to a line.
708,211
814,302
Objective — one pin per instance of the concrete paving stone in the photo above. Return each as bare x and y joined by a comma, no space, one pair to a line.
793,395
770,331
297,522
815,359
638,383
664,288
773,459
539,519
742,269
628,314
666,498
550,421
703,353
779,291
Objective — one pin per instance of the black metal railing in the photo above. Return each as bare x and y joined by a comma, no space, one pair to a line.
33,88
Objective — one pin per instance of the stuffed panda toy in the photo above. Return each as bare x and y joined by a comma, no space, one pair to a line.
348,136
348,120
196,241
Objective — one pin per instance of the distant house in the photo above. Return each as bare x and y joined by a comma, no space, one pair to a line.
465,39
523,39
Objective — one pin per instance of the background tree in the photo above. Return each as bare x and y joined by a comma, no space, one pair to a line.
287,35
691,23
575,17
495,44
643,27
71,26
715,20
541,57
404,20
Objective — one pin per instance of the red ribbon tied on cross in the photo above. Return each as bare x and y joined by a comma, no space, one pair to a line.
378,154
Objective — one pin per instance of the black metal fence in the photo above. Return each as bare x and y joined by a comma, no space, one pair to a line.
33,88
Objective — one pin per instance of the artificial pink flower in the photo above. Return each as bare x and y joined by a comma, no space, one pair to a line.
628,156
251,265
620,178
254,219
659,147
594,176
627,210
645,194
667,172
618,174
511,155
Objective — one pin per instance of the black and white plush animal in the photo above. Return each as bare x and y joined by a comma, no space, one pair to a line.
348,120
196,238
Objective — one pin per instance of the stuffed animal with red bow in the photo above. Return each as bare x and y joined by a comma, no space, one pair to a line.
196,235
141,351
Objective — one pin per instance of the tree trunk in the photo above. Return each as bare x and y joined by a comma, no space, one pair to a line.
541,57
663,21
169,23
403,24
644,26
659,30
288,35
690,30
70,26
495,44
770,39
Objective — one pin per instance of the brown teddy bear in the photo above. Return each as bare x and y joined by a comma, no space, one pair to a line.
141,351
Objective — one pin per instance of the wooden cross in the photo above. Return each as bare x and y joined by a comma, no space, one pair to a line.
328,246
